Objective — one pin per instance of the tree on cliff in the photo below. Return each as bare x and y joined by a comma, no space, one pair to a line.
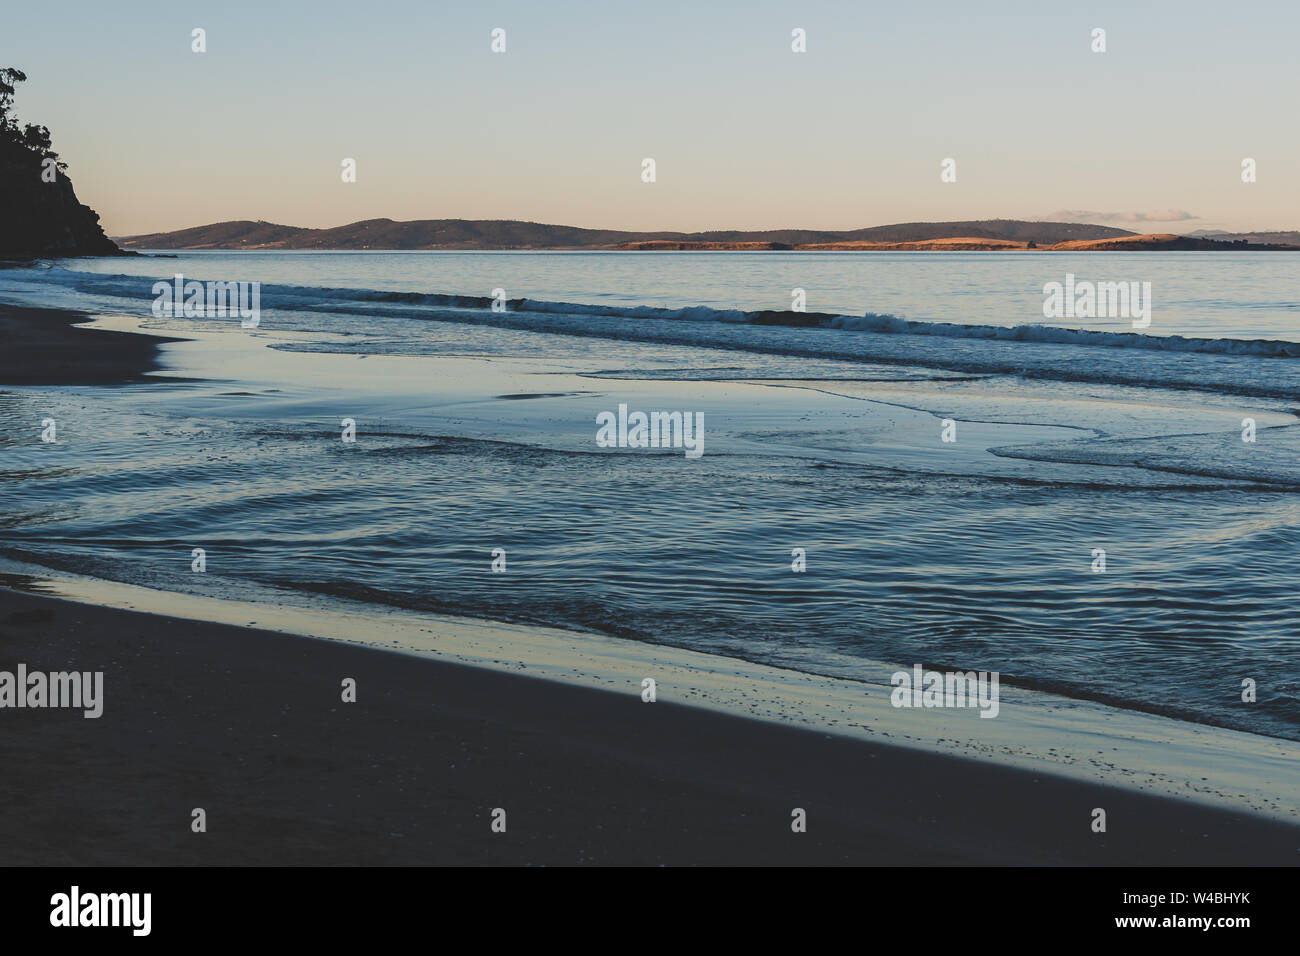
14,138
39,211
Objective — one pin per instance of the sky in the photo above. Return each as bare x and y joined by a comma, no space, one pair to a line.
745,133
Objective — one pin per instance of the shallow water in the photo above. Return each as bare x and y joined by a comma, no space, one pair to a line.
1242,295
476,431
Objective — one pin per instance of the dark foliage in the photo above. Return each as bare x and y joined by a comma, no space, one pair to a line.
39,212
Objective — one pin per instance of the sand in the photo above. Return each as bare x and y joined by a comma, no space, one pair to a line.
44,347
250,726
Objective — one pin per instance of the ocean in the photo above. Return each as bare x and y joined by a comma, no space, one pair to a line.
1104,523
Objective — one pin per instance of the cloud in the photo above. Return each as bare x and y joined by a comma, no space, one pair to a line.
1088,215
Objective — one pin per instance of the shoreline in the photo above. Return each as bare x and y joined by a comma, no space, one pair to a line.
790,694
1084,741
233,698
249,726
39,344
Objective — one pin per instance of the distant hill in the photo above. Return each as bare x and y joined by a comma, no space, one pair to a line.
1288,236
514,234
1168,242
1153,242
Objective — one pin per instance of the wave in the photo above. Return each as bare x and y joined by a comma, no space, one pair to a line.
879,323
1244,367
1273,460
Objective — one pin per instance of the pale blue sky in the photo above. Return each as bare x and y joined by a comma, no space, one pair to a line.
745,133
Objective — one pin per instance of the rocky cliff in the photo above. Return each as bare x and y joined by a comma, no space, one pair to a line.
40,219
40,215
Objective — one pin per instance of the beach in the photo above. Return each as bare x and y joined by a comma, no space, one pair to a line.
43,347
224,691
249,725
534,451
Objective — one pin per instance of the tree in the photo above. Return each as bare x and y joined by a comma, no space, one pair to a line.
30,140
9,79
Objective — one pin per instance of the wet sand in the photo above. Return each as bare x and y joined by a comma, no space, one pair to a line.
44,347
250,726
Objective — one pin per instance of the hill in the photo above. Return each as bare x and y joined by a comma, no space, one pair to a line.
1165,242
1154,242
1285,236
515,234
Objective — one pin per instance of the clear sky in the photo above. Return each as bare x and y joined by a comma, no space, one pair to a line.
1149,135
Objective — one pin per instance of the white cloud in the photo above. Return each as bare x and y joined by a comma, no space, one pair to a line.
1089,215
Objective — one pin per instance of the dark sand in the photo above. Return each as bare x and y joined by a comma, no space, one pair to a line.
42,347
249,725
